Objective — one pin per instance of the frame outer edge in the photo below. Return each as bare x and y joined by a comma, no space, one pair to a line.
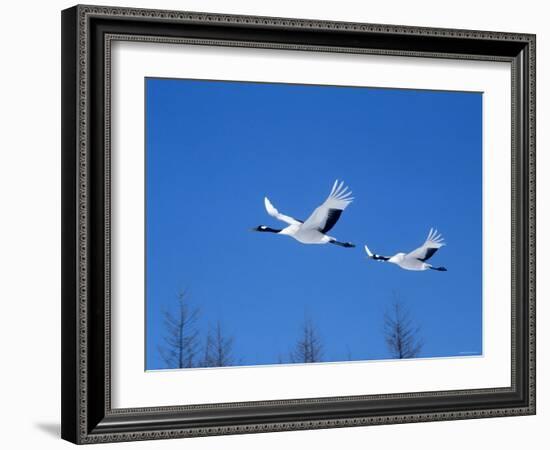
532,143
75,118
69,313
295,23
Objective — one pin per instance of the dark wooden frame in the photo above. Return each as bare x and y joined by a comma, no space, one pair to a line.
87,31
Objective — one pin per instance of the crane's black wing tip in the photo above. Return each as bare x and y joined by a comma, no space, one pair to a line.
429,253
332,217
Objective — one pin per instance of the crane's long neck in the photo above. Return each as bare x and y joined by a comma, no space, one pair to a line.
269,230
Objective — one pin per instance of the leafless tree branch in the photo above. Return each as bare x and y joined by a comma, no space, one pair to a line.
218,349
181,339
309,347
401,334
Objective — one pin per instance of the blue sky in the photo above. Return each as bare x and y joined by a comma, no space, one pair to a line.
413,160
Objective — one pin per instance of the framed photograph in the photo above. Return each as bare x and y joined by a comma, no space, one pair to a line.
278,224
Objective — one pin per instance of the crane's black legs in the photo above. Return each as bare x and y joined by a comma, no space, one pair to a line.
342,244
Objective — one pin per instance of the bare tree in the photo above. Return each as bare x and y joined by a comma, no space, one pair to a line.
309,347
402,335
218,349
181,340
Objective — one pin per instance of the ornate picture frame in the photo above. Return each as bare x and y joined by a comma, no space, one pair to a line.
88,415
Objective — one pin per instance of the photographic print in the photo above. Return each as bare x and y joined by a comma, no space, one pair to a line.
294,224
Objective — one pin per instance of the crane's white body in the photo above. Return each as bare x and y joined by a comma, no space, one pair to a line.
306,236
408,263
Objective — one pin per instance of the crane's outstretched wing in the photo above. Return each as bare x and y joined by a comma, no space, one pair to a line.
433,242
375,256
325,216
272,211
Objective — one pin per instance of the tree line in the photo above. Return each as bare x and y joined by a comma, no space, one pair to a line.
185,347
